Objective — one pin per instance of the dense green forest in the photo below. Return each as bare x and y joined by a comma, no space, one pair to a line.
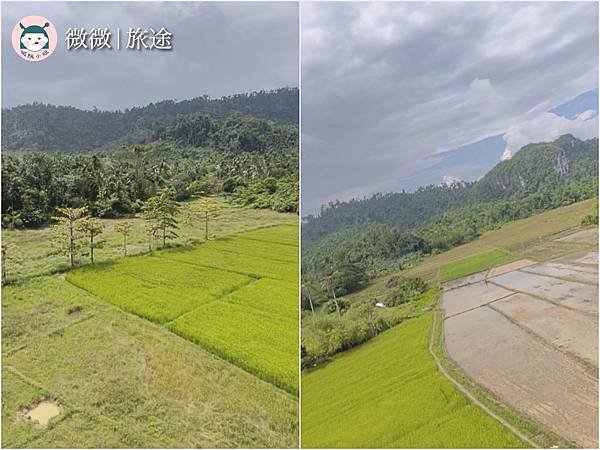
254,162
536,168
39,126
349,242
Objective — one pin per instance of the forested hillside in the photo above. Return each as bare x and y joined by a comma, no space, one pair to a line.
537,168
351,241
44,127
403,209
252,161
540,167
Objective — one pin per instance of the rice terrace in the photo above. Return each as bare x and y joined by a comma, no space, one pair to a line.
505,356
191,346
227,295
528,331
150,265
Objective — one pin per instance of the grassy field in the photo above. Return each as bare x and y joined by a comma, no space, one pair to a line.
474,263
123,381
534,431
227,295
30,249
116,344
388,393
534,238
526,238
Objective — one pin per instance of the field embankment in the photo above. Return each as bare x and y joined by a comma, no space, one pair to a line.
388,393
528,333
118,353
374,395
236,297
122,381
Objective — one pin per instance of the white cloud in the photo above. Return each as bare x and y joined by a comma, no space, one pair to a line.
546,127
587,115
481,85
386,85
219,48
449,180
506,155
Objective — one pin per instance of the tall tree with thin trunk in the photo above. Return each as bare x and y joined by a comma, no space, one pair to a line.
161,214
4,261
91,228
306,289
124,228
207,208
67,239
328,283
151,231
330,288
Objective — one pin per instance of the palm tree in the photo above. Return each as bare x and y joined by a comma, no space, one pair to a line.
328,285
306,287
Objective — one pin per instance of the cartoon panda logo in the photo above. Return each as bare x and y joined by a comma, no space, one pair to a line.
34,38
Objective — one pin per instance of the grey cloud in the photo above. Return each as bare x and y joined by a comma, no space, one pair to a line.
385,85
219,48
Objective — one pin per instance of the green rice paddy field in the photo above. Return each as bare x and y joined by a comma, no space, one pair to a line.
236,297
388,393
475,263
532,238
526,238
31,250
188,347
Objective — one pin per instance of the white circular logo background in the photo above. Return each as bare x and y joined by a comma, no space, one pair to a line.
34,38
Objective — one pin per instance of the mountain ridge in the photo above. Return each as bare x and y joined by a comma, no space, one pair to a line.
536,167
44,127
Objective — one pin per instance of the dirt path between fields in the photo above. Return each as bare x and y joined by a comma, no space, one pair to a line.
530,337
467,393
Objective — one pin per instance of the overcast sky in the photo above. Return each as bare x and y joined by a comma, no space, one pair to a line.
389,88
218,49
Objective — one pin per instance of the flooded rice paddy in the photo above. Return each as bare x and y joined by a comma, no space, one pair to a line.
528,332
